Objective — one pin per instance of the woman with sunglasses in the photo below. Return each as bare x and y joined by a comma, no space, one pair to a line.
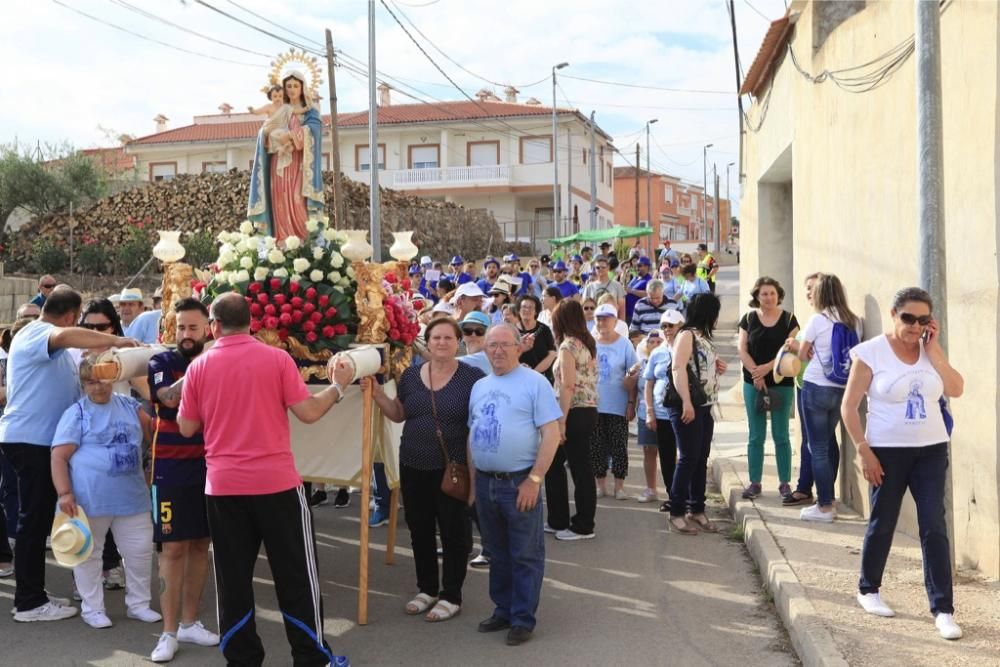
576,389
474,328
500,292
822,396
904,445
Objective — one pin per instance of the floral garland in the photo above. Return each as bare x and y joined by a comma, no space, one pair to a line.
300,289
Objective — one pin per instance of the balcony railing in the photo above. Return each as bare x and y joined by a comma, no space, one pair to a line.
491,174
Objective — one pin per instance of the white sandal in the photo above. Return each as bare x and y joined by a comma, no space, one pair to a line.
442,611
419,604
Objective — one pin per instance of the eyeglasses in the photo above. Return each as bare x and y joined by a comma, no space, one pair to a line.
474,331
911,319
589,307
99,326
493,347
48,286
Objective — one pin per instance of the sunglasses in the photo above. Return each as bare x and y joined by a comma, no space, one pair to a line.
590,307
911,319
667,326
102,326
474,331
48,286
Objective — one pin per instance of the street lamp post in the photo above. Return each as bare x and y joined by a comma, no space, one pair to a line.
729,199
704,185
649,179
556,220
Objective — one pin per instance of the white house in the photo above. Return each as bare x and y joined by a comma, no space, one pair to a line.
490,154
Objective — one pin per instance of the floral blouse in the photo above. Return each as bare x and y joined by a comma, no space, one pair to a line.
585,389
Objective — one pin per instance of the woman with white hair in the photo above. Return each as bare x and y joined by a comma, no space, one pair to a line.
656,376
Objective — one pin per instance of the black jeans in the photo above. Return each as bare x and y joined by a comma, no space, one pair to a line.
666,444
580,423
922,470
283,522
37,495
694,440
426,507
8,508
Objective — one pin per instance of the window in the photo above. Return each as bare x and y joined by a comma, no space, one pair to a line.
668,193
482,153
611,171
162,171
362,157
585,156
213,167
536,150
326,162
424,157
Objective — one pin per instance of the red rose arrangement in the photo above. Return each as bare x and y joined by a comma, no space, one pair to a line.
403,325
313,314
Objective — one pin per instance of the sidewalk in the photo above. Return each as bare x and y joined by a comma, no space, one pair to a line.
812,572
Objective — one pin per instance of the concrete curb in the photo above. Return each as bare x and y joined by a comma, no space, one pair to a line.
810,636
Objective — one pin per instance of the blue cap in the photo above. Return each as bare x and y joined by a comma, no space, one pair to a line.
513,258
559,266
674,263
577,258
477,317
644,261
456,260
491,260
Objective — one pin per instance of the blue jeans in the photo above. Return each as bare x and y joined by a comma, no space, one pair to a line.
694,444
805,483
517,548
382,491
821,414
922,470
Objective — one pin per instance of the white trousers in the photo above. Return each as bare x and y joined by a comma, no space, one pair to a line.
134,537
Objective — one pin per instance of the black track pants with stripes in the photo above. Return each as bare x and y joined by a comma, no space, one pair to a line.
283,522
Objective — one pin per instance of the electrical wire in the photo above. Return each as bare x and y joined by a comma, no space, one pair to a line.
151,39
276,25
636,85
261,30
759,13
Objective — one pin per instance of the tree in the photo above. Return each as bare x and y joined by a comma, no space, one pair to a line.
69,177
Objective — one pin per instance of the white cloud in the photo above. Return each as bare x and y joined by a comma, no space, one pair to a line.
90,74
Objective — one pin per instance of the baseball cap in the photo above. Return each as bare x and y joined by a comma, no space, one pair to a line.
674,263
545,259
456,260
443,307
644,261
512,257
559,266
467,289
671,316
576,258
477,317
491,260
426,260
606,310
703,246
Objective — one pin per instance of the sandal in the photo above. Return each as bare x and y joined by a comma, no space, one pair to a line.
797,498
442,611
684,529
703,522
420,604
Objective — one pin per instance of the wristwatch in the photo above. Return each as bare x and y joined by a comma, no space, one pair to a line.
535,478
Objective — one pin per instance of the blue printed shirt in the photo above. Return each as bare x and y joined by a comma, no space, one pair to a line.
657,371
613,361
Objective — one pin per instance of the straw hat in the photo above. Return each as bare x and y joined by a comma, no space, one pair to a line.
71,538
786,365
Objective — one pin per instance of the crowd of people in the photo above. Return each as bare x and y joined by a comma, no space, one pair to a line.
521,376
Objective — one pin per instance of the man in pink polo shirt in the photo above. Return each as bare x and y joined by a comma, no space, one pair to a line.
238,394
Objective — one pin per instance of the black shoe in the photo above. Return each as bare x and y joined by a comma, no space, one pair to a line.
494,623
517,635
342,500
318,498
665,507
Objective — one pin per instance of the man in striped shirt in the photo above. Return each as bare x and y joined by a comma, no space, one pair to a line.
646,316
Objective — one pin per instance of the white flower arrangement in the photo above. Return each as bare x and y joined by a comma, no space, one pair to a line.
312,225
318,252
247,228
316,275
241,276
334,276
336,259
300,264
280,273
261,273
293,243
246,262
275,256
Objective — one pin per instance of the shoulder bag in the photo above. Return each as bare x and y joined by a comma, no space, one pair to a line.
672,398
455,481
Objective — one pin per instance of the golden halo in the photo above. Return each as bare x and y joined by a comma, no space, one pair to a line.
283,65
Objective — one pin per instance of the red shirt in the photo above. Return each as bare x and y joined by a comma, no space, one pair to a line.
240,390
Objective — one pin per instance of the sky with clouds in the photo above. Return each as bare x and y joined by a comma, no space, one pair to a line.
93,76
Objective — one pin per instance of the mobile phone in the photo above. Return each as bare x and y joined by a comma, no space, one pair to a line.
925,336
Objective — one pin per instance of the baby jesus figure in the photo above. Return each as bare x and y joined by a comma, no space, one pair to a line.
279,115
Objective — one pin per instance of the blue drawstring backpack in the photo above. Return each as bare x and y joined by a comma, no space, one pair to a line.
842,339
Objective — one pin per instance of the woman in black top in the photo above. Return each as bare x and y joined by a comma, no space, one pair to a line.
763,331
538,346
422,465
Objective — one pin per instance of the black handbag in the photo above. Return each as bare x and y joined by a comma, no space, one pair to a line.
766,401
672,399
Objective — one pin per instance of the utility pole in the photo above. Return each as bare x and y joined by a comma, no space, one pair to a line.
704,185
373,195
556,220
593,173
637,163
570,227
729,198
339,210
649,179
717,226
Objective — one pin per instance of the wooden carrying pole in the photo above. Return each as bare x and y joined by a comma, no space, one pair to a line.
366,483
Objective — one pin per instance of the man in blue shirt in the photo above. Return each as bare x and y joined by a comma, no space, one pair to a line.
45,286
667,253
513,435
637,287
515,264
492,268
457,274
144,326
567,288
42,382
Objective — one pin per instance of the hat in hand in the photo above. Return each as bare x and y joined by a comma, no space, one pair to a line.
72,542
786,365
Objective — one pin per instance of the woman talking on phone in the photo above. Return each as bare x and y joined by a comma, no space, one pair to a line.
904,446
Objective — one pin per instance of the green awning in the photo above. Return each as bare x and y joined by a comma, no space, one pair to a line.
616,232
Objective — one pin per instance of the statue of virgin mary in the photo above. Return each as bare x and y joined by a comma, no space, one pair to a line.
286,181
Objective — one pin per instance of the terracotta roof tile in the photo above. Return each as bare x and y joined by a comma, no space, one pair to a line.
771,48
391,115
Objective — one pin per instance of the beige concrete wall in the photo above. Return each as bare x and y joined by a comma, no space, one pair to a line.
849,162
15,292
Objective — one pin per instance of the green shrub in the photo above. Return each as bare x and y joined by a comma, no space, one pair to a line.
48,257
201,249
93,259
131,255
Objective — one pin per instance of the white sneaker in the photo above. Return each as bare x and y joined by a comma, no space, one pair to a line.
814,513
549,529
947,627
76,593
146,615
165,649
115,581
50,611
567,535
197,634
96,619
621,495
872,603
601,492
647,496
62,602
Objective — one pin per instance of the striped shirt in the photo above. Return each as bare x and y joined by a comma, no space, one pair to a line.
177,461
646,316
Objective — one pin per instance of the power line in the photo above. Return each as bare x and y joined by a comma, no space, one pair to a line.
636,85
276,25
759,13
261,30
154,17
150,39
